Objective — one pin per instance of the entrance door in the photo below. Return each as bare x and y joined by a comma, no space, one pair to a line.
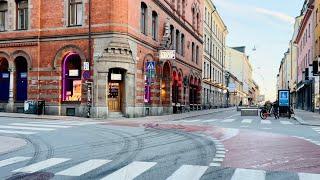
4,84
22,86
114,97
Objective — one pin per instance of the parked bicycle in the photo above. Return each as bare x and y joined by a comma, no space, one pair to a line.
265,113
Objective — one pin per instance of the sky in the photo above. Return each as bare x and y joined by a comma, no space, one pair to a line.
266,25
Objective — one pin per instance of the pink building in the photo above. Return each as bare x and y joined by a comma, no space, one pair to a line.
304,41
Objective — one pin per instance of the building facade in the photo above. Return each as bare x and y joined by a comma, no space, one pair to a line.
101,56
238,64
305,42
213,74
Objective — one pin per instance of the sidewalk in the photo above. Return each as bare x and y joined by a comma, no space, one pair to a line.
307,118
170,117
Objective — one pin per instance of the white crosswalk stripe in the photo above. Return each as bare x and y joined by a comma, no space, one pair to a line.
13,160
188,172
248,121
228,120
307,176
245,174
40,125
27,128
67,123
83,168
211,120
195,120
16,132
285,122
41,165
130,171
265,122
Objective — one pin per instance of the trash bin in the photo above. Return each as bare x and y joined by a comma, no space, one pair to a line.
40,107
30,107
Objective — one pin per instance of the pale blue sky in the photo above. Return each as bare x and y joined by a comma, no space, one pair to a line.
266,24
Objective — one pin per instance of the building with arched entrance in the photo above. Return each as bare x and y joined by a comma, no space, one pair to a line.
99,61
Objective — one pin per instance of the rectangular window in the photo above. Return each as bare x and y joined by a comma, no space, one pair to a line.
182,44
75,12
192,51
143,18
22,15
3,15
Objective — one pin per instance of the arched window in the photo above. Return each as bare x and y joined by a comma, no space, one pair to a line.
198,21
144,19
75,12
22,15
178,41
182,44
154,25
192,51
193,18
197,54
71,77
3,15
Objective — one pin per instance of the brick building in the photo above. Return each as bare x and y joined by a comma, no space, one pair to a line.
45,47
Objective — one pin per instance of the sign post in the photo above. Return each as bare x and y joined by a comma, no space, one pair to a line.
89,98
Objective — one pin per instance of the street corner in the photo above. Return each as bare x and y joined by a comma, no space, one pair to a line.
271,152
9,144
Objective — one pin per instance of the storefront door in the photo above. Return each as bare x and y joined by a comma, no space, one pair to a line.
22,86
114,97
4,84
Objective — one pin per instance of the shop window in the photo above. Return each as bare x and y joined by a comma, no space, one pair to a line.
3,15
75,12
22,15
71,87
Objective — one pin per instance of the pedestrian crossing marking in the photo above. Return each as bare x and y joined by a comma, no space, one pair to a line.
265,122
40,125
210,120
307,176
188,172
248,121
67,123
17,132
285,122
130,171
13,160
245,174
228,120
84,167
41,165
26,128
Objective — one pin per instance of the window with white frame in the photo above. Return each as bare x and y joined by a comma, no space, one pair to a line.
75,12
3,15
22,15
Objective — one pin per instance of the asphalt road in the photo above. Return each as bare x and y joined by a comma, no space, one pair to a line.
218,146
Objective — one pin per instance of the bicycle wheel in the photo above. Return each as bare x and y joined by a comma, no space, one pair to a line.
263,114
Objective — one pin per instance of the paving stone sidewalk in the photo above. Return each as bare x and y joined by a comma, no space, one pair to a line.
307,118
170,117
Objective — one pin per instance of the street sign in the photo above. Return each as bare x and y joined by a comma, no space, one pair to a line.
167,54
86,66
232,87
151,65
284,98
86,75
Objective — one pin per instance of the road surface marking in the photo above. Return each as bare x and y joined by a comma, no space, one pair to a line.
265,122
228,120
41,165
220,156
188,172
215,164
16,132
245,174
285,122
307,176
84,167
130,171
217,159
244,126
195,120
248,121
220,149
13,160
232,116
67,123
40,125
211,120
266,128
220,152
27,128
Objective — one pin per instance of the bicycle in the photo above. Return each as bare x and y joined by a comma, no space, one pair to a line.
264,113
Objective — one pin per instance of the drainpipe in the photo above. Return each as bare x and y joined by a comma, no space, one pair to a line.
89,59
211,56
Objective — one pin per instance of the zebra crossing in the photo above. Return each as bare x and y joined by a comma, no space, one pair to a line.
242,121
132,170
317,129
34,127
